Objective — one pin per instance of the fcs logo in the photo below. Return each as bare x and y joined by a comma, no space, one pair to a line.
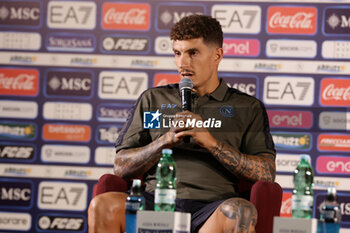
151,120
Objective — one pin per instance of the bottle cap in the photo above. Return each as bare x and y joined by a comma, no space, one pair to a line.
305,157
136,183
167,151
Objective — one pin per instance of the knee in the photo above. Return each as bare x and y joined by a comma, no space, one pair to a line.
106,204
239,209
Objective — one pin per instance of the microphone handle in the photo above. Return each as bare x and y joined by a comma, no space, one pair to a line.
186,105
186,99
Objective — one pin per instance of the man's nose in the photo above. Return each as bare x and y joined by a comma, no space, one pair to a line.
184,61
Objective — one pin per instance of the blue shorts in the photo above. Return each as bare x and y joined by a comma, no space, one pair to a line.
200,210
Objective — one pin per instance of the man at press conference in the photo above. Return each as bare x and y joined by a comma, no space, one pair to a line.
210,165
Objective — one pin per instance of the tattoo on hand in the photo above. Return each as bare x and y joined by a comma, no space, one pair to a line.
252,167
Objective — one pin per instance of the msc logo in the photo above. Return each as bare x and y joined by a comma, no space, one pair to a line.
20,13
61,223
169,14
337,21
238,18
151,120
71,14
69,83
15,194
246,85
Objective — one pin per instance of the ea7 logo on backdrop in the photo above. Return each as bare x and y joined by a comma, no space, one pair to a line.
126,16
19,82
337,21
20,13
292,20
107,134
125,44
246,84
335,92
62,196
334,142
151,120
244,19
333,164
241,47
292,141
16,152
16,194
69,83
290,119
170,14
60,223
122,85
71,14
289,90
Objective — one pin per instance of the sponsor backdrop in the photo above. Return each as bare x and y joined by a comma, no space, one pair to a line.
70,70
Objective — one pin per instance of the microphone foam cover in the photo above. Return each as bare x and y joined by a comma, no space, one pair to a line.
185,83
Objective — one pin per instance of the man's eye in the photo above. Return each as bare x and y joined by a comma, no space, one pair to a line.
193,53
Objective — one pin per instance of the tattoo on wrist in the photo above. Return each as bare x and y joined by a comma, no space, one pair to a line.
217,149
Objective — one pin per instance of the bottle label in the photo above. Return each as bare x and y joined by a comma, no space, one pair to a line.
302,202
132,206
166,196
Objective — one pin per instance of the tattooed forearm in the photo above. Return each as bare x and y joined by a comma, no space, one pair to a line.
134,162
252,167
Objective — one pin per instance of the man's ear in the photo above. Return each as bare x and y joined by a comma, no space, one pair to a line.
219,53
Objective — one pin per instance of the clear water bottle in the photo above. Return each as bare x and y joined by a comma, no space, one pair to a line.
302,198
330,213
165,193
134,202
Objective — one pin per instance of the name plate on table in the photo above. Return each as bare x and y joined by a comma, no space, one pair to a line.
163,222
292,225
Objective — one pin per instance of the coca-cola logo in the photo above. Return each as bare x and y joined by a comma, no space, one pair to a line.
126,16
332,92
292,20
286,206
335,92
19,82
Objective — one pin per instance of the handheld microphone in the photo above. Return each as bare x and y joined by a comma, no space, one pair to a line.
185,87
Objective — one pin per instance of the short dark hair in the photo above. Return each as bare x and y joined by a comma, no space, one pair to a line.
197,26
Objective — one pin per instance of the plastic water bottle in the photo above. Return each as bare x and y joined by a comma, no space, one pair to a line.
134,202
302,198
330,213
165,193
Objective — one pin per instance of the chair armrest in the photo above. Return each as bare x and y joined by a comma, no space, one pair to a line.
267,198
